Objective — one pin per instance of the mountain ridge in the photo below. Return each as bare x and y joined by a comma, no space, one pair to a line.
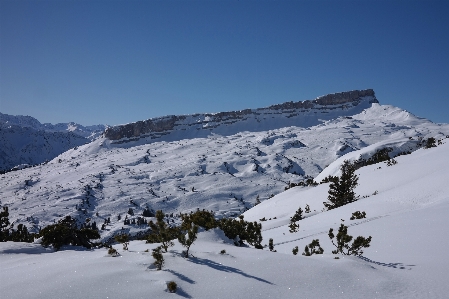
301,113
223,173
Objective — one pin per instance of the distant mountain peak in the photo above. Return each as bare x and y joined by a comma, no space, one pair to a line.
302,113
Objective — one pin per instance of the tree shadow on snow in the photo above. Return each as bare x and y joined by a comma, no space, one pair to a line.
181,276
390,265
181,293
220,267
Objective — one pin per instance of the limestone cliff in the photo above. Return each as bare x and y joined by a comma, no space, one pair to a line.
302,113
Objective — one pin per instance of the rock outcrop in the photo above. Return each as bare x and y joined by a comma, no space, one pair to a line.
302,113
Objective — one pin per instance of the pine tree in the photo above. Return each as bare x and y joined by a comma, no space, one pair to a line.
307,209
271,245
295,250
161,232
66,232
293,227
343,240
124,239
21,234
358,215
158,257
191,230
313,248
4,223
297,216
341,191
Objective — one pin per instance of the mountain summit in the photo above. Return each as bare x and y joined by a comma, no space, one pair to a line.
300,114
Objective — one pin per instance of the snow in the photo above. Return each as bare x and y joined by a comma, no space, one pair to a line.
228,172
406,206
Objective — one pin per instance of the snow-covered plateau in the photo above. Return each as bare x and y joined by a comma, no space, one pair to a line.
406,207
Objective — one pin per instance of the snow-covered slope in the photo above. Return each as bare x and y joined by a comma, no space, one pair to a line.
105,178
407,219
24,140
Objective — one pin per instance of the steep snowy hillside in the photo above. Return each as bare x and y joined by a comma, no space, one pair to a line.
24,140
224,173
406,209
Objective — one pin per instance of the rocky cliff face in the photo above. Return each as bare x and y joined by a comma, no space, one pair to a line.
302,113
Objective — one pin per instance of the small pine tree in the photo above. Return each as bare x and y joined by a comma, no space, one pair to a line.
341,192
21,234
307,209
313,248
158,257
297,216
293,227
343,240
161,232
430,142
295,250
270,244
192,233
124,239
4,223
358,215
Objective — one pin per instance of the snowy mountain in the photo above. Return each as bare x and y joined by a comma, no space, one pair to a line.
180,166
24,140
406,207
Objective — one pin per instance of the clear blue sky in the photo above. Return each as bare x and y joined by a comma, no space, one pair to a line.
116,62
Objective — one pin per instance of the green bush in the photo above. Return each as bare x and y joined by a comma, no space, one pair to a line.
271,245
113,252
66,232
124,239
358,215
158,257
4,223
161,232
341,192
172,286
313,248
191,231
343,240
251,232
295,250
205,219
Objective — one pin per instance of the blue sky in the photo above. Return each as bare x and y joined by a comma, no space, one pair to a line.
116,62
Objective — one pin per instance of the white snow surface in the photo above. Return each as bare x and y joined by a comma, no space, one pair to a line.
407,219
